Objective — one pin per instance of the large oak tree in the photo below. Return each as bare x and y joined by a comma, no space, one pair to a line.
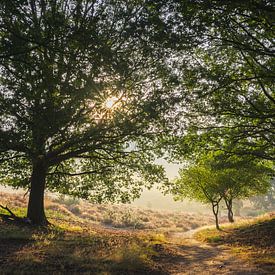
84,87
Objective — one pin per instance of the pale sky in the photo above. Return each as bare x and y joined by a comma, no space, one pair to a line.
170,168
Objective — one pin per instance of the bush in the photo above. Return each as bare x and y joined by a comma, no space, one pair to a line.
110,217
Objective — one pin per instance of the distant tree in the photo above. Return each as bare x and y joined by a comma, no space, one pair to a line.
240,178
237,206
198,182
214,178
265,201
84,86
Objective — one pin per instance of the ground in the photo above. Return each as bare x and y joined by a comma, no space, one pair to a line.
77,246
190,256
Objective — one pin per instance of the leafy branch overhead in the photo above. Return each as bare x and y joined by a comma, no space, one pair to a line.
230,76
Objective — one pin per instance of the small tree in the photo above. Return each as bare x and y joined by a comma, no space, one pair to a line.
265,201
240,178
198,182
215,177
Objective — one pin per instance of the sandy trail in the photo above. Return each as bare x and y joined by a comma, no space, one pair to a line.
184,255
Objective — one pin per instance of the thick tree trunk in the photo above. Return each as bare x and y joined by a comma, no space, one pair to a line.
215,209
36,212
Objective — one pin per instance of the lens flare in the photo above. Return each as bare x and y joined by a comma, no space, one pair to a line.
110,102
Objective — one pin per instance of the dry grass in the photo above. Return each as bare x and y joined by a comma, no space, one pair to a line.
252,239
66,247
117,216
77,244
72,245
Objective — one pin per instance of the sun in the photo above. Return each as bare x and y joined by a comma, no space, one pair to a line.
110,102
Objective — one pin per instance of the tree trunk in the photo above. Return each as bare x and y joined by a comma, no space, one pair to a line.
36,212
215,209
230,216
229,205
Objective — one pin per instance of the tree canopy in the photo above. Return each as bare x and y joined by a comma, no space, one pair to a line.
200,183
230,76
216,177
84,88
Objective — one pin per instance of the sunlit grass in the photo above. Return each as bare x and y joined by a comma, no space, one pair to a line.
251,239
133,257
67,248
18,211
63,209
74,244
67,245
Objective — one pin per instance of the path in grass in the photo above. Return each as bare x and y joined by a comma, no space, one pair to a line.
99,250
184,255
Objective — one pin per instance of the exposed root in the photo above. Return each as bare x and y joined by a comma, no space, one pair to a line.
11,217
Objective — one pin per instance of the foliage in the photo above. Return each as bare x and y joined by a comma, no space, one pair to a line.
230,76
85,88
217,176
199,182
266,201
196,182
241,177
88,87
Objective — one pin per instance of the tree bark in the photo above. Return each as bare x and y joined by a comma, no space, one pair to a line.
36,212
230,214
215,209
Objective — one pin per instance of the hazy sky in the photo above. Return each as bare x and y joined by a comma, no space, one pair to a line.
155,199
170,168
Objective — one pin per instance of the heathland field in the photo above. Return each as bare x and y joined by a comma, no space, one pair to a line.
85,238
110,215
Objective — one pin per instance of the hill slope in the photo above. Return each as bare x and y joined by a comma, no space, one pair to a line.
75,245
252,240
111,215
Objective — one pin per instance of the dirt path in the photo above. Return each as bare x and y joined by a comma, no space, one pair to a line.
184,255
101,250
